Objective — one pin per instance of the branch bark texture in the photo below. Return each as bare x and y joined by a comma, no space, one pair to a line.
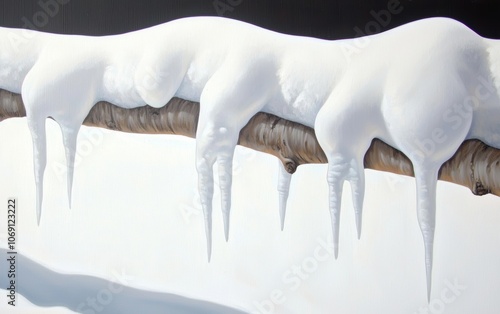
475,165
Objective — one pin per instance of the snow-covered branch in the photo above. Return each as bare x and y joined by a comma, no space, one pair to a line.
475,165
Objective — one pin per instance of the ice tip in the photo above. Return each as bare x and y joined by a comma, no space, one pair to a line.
226,226
209,255
429,285
282,217
208,235
359,223
358,229
69,195
209,249
38,212
335,231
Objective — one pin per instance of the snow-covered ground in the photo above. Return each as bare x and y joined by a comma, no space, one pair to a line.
135,236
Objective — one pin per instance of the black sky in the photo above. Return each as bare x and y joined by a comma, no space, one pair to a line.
317,18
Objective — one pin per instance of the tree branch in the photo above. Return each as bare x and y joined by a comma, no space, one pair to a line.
475,165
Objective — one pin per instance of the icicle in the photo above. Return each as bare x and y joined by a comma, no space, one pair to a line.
208,233
335,201
39,192
225,181
426,214
38,135
284,179
428,266
206,190
226,224
357,183
70,136
335,183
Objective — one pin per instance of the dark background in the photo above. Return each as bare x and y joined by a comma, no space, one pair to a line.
318,18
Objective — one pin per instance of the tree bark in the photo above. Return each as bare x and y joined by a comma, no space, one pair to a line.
475,165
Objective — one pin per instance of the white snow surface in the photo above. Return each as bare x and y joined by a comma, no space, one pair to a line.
136,220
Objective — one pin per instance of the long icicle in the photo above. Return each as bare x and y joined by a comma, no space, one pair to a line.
357,182
39,137
284,180
426,214
335,178
225,166
70,135
208,233
206,191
